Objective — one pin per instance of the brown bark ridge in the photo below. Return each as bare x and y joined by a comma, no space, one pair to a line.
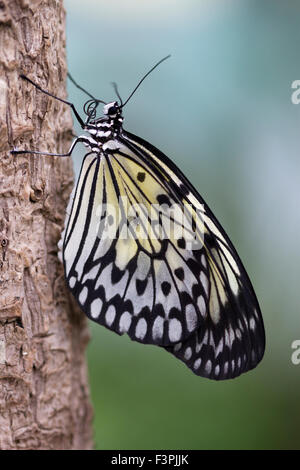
44,396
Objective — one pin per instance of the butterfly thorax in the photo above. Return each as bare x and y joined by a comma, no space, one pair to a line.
104,130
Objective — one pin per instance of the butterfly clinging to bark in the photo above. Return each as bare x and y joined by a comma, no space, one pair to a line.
144,255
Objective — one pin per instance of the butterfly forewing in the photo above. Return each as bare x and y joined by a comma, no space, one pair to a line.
126,252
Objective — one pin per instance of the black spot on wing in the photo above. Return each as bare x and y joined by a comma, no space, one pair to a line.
116,274
181,243
141,286
163,199
166,288
179,272
141,176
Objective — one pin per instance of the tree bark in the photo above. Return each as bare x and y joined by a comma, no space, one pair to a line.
44,396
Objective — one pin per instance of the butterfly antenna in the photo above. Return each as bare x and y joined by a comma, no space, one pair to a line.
91,105
82,89
115,87
145,76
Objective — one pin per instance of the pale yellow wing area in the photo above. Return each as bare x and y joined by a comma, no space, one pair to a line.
129,252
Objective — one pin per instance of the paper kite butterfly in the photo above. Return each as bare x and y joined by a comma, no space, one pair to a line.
144,255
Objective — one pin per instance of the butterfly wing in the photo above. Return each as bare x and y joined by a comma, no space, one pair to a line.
182,288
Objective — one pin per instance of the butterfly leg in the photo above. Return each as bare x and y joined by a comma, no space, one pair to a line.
36,152
56,98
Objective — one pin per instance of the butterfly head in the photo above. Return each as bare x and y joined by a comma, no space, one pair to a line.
112,110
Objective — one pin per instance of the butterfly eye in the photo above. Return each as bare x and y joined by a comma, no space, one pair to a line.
113,110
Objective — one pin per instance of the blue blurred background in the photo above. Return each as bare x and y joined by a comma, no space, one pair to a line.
221,109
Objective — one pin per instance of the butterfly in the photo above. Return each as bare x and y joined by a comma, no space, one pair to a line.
144,255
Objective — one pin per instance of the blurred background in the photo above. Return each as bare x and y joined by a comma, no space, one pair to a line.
221,109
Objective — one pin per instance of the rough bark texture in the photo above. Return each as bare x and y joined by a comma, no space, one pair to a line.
44,397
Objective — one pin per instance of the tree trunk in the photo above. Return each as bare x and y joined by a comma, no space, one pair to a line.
44,396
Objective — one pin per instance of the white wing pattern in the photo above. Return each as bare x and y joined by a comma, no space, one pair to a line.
129,272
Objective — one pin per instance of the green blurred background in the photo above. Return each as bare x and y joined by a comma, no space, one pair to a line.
221,109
